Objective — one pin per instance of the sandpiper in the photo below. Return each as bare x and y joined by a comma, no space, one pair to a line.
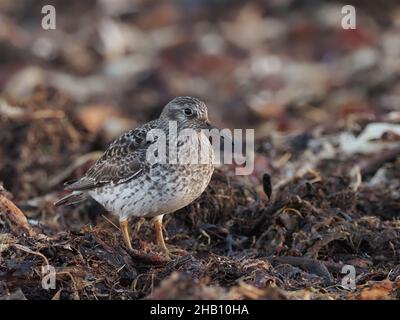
127,183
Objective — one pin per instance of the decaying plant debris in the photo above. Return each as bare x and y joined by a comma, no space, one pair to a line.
325,191
235,241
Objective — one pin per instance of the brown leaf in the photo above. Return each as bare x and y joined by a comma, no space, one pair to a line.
15,217
381,290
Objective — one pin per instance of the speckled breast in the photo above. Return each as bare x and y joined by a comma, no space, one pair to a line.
163,187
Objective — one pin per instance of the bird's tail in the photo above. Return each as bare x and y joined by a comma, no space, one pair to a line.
72,198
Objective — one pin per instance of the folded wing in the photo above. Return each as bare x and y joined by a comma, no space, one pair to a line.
124,160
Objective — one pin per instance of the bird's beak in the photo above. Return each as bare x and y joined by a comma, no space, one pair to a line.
215,131
208,125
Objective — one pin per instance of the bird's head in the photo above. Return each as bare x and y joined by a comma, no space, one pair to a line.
188,112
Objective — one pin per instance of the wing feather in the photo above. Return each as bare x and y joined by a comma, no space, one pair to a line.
122,161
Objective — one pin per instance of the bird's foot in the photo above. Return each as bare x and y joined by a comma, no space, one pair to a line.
172,252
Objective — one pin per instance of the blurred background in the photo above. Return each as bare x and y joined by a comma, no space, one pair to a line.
289,62
277,66
325,106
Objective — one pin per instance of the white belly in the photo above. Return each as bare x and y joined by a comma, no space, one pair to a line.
159,191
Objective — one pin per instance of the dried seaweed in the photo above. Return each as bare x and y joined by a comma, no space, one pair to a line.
323,194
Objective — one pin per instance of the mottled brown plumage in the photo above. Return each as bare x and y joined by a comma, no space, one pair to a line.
127,184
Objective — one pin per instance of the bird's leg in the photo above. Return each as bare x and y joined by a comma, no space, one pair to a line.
159,234
125,233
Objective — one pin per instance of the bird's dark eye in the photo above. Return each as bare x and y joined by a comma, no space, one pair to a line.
188,111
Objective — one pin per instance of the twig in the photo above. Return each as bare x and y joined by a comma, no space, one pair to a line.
36,253
356,178
112,223
55,180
